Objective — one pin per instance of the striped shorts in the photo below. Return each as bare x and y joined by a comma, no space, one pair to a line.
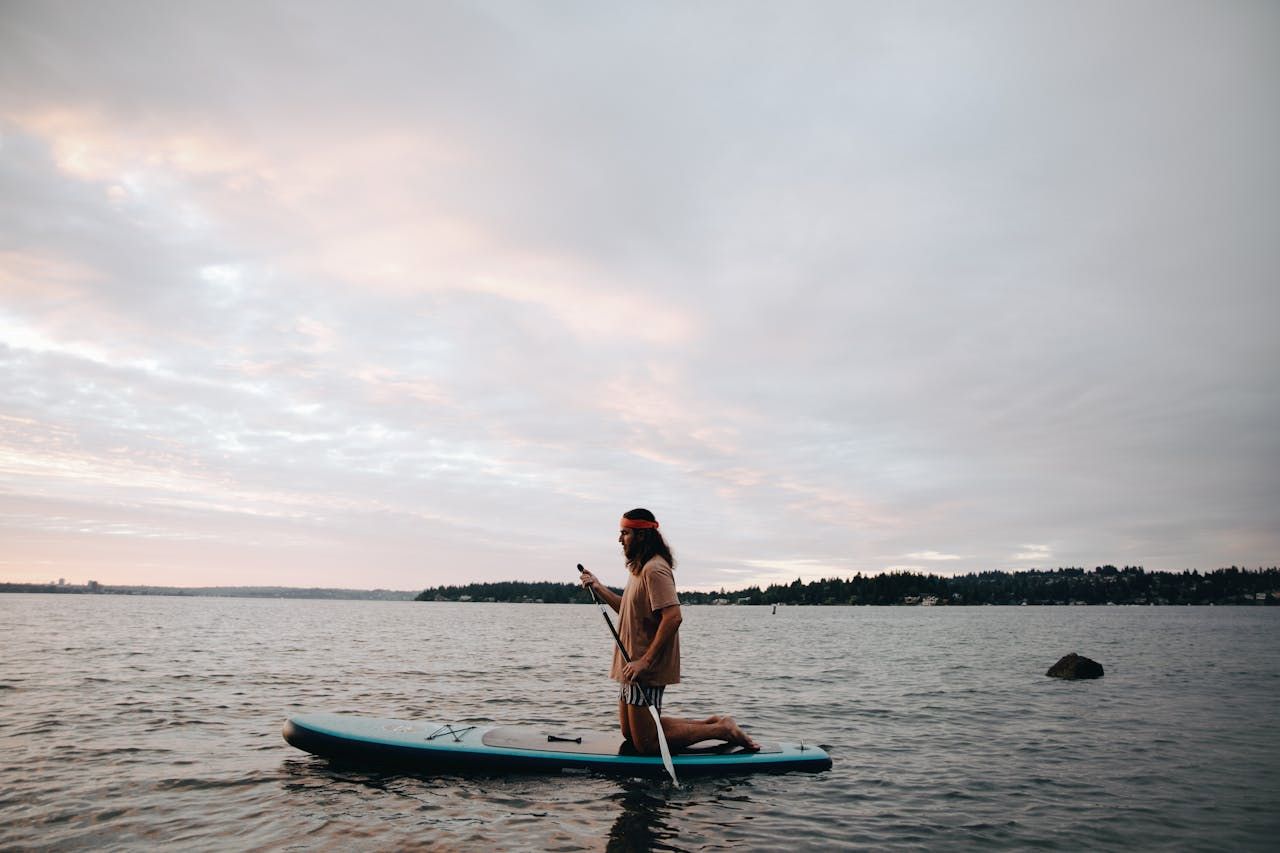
635,694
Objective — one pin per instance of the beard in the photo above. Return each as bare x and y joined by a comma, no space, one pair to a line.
632,550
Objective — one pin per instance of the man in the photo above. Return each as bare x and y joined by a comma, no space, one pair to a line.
648,626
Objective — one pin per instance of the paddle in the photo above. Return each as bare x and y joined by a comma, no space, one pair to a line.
657,719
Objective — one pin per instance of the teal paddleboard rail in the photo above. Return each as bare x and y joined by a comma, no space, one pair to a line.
460,747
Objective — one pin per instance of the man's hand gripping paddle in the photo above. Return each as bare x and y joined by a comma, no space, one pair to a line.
657,720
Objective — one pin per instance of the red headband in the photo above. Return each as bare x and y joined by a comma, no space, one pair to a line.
637,524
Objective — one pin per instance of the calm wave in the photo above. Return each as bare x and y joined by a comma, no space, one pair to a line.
130,722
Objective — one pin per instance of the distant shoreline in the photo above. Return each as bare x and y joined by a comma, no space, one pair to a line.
213,591
1105,585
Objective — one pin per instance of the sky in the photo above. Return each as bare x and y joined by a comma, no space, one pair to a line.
399,294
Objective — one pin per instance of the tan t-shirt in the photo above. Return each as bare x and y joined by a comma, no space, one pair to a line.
646,593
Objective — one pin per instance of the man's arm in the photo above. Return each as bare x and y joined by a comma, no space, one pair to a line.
669,620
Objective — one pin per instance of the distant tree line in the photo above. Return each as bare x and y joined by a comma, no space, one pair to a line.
542,592
1104,585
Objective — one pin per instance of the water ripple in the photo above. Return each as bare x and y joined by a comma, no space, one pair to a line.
120,731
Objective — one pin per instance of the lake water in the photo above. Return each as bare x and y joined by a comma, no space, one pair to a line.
134,722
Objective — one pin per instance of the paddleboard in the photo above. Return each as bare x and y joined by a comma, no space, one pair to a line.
428,746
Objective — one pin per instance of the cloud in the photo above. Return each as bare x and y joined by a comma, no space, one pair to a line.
1034,554
933,556
818,286
764,573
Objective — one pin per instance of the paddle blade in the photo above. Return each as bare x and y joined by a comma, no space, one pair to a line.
662,745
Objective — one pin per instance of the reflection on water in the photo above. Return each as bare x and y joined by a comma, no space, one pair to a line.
645,813
643,817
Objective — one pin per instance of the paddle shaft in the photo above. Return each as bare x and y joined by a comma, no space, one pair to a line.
612,630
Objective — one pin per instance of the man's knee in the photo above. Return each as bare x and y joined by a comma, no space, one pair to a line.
643,735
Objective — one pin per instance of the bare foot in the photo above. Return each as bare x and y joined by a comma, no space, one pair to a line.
735,735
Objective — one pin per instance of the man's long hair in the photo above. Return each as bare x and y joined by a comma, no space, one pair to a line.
646,543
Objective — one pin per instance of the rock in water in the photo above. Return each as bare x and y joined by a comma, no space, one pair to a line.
1074,666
